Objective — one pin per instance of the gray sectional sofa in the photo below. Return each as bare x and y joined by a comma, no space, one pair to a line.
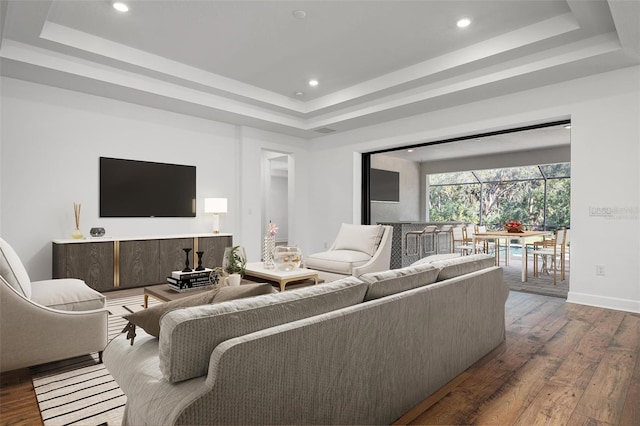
355,351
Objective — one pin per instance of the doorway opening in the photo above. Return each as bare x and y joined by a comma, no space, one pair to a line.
527,166
277,193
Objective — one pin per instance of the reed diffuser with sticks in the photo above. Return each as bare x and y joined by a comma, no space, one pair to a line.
76,212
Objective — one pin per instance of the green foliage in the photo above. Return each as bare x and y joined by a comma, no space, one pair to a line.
502,201
235,263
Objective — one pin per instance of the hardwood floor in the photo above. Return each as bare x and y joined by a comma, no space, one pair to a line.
561,364
18,404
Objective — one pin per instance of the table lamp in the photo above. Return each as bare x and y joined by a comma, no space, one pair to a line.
215,206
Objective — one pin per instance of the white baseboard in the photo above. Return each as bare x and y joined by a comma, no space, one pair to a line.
604,302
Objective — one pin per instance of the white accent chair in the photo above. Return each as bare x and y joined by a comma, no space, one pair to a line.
357,250
45,321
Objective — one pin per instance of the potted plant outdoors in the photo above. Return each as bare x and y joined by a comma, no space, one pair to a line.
234,260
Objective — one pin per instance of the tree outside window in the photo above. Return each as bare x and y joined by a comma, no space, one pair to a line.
538,196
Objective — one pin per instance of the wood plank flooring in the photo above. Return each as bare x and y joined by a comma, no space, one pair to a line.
18,404
561,364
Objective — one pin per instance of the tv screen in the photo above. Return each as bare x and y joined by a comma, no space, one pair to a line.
384,185
130,188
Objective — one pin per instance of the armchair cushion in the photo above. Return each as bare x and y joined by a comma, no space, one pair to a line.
12,270
364,238
337,261
67,294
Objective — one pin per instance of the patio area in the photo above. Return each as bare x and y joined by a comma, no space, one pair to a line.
542,284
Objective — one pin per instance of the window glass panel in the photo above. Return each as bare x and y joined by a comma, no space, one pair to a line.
558,170
516,200
509,173
558,203
452,178
454,203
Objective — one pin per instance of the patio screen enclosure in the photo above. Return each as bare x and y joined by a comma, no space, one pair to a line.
538,196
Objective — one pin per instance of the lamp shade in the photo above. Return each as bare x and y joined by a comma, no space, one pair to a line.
215,205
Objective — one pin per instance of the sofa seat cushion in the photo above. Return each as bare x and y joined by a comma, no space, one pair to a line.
67,294
189,336
13,271
149,319
461,265
337,261
394,281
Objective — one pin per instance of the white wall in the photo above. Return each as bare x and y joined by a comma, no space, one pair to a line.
51,140
408,209
605,157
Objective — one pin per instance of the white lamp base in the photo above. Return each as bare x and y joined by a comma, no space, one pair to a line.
216,223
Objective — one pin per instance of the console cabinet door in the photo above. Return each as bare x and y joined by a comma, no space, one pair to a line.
149,262
172,257
91,262
213,248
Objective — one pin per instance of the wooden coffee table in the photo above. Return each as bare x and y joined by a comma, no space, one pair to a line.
163,293
257,270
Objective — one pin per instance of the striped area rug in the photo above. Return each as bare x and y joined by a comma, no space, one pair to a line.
80,391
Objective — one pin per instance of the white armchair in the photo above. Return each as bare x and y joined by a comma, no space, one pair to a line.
357,250
45,321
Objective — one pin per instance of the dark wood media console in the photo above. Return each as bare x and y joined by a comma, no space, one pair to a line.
111,264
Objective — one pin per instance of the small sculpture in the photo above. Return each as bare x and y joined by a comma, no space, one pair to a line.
186,262
200,267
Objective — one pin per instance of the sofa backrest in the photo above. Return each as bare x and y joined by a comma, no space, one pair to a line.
459,265
394,281
12,270
362,238
188,336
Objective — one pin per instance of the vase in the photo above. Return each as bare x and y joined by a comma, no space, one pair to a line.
234,260
287,258
77,234
268,245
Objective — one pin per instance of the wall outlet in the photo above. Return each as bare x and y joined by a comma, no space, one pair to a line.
600,270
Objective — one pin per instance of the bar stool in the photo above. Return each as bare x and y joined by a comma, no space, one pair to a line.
445,230
419,235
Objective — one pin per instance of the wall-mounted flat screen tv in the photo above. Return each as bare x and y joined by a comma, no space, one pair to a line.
384,185
131,188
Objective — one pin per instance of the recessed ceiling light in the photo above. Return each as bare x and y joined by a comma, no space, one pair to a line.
120,7
463,23
313,83
568,126
299,14
299,94
409,150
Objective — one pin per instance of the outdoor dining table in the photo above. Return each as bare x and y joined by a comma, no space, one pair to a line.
522,236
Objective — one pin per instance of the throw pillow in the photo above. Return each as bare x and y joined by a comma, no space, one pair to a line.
149,319
364,238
